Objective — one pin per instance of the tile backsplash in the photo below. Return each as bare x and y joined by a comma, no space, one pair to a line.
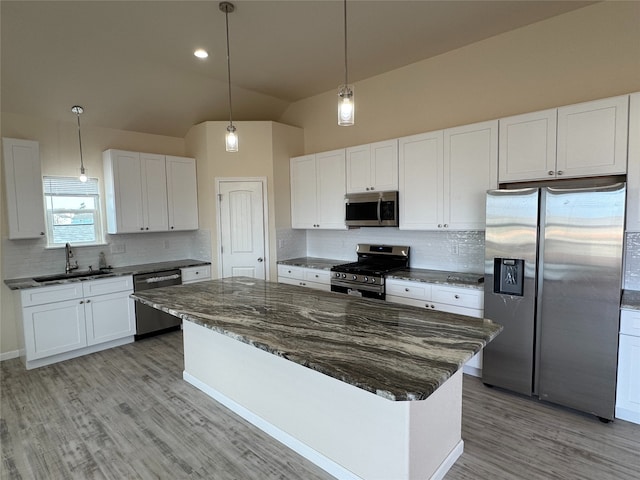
24,258
632,262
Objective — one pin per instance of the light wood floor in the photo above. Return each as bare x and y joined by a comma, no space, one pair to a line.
127,414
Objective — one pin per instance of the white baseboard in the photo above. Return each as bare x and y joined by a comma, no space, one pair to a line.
9,355
283,437
628,415
448,462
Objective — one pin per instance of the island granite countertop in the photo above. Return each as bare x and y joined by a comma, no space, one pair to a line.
29,282
395,351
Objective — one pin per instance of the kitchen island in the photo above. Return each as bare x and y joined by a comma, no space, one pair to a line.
363,388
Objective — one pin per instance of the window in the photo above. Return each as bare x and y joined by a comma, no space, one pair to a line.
73,211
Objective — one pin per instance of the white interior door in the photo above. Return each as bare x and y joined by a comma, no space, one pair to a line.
241,213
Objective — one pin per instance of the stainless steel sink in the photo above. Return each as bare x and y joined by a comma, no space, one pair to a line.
67,276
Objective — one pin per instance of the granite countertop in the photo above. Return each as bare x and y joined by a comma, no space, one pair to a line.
395,351
467,280
630,299
312,262
29,282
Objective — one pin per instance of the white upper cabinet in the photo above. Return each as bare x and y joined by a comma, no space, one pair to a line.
373,167
470,169
444,176
317,190
23,185
145,192
633,175
581,140
592,138
527,148
182,193
421,181
154,192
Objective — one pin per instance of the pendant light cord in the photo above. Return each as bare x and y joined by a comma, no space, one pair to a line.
346,76
226,19
80,143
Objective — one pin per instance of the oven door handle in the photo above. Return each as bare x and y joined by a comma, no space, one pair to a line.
358,286
379,210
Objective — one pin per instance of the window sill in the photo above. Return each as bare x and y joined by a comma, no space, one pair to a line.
60,247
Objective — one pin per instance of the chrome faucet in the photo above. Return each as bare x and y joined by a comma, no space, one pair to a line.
69,255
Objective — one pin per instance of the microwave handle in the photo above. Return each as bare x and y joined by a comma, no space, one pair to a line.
379,209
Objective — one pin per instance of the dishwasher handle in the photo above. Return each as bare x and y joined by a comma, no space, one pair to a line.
164,278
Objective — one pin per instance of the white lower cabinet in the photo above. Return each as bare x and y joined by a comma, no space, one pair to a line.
66,321
305,277
196,274
628,387
458,300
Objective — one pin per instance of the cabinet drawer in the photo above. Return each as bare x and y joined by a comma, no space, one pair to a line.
291,272
461,297
317,276
107,285
415,290
630,322
196,274
54,293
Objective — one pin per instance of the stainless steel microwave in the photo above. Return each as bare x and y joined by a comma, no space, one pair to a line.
371,209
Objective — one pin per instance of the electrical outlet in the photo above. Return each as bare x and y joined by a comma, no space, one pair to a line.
281,243
117,248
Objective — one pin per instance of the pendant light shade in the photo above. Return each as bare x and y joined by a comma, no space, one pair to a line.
346,105
231,138
78,110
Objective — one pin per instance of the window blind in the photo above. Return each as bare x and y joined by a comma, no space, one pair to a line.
70,186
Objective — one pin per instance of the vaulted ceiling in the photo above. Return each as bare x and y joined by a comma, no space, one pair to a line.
130,64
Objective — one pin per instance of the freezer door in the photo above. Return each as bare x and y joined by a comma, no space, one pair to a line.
578,309
510,287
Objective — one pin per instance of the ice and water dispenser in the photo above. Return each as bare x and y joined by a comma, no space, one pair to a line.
508,276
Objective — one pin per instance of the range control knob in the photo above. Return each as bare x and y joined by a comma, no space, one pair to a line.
337,275
366,279
373,280
344,275
354,277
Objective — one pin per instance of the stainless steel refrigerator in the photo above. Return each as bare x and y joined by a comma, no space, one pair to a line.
553,277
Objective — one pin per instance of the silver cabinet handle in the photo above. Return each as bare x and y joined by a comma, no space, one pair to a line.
81,302
560,172
367,189
551,172
406,289
41,233
379,209
88,301
446,225
260,259
456,296
439,225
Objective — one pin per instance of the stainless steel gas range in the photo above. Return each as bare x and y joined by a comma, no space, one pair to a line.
365,278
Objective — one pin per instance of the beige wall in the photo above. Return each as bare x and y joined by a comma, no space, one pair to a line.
591,53
59,155
264,149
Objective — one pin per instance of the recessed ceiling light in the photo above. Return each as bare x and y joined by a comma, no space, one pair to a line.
201,53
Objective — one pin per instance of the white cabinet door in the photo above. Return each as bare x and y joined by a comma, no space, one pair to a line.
109,317
303,192
154,192
182,193
372,167
123,191
421,180
592,138
633,174
330,190
54,328
23,183
470,169
358,170
527,148
384,165
628,386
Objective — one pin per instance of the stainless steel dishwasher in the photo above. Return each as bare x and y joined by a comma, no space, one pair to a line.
150,321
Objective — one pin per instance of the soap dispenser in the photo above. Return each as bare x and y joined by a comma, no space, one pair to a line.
102,261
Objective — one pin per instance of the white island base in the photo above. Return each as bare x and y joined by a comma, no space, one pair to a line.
347,431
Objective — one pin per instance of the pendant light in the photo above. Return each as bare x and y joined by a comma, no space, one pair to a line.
78,110
346,105
231,139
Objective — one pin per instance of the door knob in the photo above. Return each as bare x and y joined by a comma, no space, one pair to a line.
260,259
